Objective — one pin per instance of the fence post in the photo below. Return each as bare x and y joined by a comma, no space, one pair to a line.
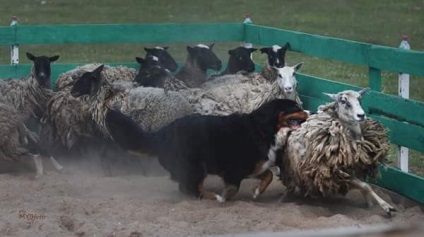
14,49
403,86
248,20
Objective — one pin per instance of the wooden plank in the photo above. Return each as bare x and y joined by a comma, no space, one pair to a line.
406,184
23,70
401,109
130,33
397,60
316,86
404,134
375,56
373,102
7,35
374,80
314,45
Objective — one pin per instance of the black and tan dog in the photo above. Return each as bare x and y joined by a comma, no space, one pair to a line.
234,147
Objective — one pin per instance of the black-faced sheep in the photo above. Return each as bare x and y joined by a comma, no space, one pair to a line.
150,107
276,59
29,96
163,56
153,74
334,150
240,61
200,58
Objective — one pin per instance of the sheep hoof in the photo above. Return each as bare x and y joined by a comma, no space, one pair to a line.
388,209
38,176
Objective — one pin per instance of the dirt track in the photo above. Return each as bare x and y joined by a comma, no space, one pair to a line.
83,202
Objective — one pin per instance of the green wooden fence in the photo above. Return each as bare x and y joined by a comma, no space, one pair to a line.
404,118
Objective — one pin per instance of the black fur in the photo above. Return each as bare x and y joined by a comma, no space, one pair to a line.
197,145
273,56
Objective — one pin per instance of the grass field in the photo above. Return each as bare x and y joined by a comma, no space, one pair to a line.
380,22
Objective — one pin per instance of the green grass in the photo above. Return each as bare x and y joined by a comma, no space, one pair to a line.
378,22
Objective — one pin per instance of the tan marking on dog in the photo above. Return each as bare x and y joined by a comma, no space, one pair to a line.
266,179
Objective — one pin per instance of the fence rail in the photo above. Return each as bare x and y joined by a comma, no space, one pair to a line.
403,117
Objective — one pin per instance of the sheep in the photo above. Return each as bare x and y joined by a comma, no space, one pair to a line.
30,96
150,107
226,95
276,59
164,58
333,150
17,141
240,61
153,74
67,119
200,58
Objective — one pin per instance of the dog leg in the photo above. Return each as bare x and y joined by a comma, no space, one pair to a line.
230,190
367,191
208,194
266,179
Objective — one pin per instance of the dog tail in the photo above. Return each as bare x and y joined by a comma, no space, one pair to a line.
127,133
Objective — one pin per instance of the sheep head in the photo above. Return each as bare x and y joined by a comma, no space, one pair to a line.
164,58
240,60
41,69
88,83
276,55
287,80
203,56
348,109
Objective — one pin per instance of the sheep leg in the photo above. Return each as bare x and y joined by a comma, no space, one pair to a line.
266,179
38,166
56,164
367,192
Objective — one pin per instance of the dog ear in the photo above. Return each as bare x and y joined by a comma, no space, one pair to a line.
281,121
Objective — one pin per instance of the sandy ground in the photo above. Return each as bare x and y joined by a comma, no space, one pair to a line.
84,202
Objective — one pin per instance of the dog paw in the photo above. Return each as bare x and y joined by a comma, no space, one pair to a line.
220,199
256,193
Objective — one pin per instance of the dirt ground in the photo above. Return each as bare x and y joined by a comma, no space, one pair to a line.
85,202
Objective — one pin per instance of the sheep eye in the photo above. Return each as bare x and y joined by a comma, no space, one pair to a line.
343,102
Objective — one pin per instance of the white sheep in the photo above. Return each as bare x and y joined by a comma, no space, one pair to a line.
238,93
334,150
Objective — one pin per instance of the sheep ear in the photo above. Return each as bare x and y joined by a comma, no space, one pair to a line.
165,48
332,96
30,56
253,50
361,92
297,66
97,71
211,46
231,51
190,49
54,58
287,46
264,50
140,60
147,49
